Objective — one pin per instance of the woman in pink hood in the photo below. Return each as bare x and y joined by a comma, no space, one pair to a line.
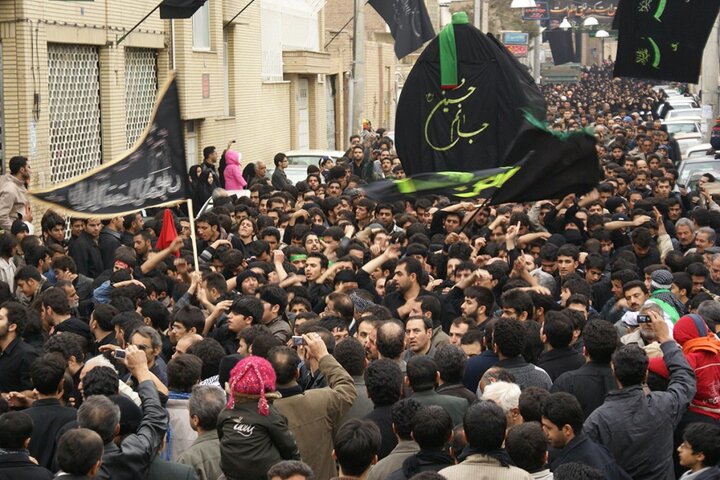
233,173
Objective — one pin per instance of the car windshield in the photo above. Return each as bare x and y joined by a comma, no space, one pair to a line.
689,127
684,112
304,160
695,168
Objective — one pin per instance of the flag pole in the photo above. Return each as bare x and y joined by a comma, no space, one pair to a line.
137,24
193,239
474,214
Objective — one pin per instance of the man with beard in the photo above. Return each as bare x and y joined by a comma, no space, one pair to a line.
17,356
13,193
407,280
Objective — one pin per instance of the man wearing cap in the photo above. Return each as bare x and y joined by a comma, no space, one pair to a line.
13,193
660,284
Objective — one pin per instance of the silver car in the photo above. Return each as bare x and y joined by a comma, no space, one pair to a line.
299,160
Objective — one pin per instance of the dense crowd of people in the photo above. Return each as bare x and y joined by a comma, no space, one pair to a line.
324,334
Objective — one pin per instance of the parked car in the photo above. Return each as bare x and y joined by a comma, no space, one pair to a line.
682,125
682,102
299,160
688,141
684,113
692,169
696,151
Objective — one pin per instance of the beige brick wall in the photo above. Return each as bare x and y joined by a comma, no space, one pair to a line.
260,117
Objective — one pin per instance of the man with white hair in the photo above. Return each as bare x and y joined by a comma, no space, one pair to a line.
644,335
507,396
123,388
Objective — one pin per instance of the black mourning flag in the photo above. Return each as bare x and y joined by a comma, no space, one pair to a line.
561,45
663,39
409,23
179,8
469,127
552,165
151,174
541,164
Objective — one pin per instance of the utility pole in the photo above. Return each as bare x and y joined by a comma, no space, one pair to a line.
481,13
357,91
536,53
709,79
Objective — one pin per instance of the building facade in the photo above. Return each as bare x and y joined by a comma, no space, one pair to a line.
72,96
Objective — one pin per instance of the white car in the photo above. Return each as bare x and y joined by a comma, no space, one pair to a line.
688,141
682,102
299,160
684,113
699,150
682,125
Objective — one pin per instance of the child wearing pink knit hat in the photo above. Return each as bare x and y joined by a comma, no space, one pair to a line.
253,434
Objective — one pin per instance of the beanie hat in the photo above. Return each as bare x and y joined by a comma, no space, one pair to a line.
360,303
613,203
252,377
661,279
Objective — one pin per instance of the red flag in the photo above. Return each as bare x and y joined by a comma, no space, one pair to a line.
168,232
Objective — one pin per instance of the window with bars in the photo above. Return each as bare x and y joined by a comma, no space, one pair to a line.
74,110
140,90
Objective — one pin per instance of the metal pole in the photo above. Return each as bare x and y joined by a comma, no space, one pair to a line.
138,24
238,14
536,54
193,237
476,13
358,80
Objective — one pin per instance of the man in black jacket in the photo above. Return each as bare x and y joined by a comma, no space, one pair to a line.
591,382
562,420
110,240
48,415
560,357
16,429
131,459
86,251
637,427
432,429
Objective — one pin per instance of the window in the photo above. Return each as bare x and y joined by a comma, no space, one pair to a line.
201,28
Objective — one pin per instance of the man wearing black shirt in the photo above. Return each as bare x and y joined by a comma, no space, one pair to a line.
48,415
16,356
591,382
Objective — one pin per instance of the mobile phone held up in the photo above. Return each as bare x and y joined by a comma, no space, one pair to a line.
119,354
643,318
297,340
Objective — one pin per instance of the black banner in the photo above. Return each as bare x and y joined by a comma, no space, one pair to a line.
663,39
470,127
561,45
456,185
151,174
179,8
409,23
552,165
